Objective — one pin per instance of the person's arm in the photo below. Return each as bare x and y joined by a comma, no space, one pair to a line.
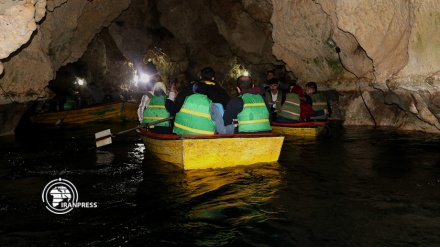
219,123
234,107
140,111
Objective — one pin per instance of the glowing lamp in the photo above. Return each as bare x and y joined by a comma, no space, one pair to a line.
144,77
80,81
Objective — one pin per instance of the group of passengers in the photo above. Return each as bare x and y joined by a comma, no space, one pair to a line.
204,107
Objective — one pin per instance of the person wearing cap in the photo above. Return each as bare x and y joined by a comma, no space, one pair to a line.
213,90
318,101
274,96
249,111
199,115
159,107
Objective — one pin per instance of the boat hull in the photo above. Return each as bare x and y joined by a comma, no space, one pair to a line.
216,151
114,112
303,129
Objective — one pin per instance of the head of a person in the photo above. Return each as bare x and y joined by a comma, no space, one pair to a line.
270,74
207,74
244,82
200,87
159,89
273,84
292,85
311,87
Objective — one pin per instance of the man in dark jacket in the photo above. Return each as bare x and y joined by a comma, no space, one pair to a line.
257,117
214,91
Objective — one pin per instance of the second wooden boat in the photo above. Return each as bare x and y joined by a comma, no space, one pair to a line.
112,112
302,129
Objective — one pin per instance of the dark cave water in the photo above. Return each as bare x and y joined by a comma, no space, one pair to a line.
359,187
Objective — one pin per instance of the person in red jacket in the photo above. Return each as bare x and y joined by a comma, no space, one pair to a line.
305,109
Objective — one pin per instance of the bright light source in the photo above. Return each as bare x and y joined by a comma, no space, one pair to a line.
80,81
331,42
246,73
144,77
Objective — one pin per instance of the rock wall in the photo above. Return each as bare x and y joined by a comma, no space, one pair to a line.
62,37
380,57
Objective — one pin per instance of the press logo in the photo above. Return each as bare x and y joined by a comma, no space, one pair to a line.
61,197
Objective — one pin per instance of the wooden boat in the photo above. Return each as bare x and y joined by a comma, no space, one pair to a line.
302,129
213,151
112,112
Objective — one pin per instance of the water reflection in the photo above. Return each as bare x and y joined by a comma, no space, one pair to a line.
218,204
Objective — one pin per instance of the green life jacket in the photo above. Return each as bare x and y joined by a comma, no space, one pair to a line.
194,117
278,100
254,117
156,111
69,104
291,108
319,103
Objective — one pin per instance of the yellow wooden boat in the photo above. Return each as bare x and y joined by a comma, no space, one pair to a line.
112,112
302,129
213,151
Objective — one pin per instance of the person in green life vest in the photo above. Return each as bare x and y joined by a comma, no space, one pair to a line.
294,108
199,115
158,108
250,110
318,101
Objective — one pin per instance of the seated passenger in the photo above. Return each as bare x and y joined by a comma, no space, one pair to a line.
318,101
158,108
199,115
294,108
249,110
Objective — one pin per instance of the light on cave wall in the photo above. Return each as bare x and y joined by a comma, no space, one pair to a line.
140,79
80,81
236,71
135,79
331,42
144,78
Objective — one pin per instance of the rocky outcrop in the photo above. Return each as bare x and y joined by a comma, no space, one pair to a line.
380,57
386,70
62,37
